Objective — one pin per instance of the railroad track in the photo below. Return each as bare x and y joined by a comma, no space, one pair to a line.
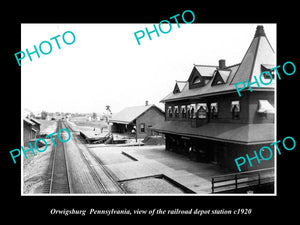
104,179
59,181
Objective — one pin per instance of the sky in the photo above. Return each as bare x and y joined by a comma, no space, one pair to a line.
106,66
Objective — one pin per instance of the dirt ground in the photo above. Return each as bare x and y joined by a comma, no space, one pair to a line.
35,166
34,171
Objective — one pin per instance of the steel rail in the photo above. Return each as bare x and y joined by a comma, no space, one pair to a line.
60,176
94,173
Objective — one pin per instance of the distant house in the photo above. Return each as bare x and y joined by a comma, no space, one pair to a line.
137,120
31,128
37,125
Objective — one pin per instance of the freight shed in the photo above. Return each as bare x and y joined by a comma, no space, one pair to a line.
137,121
31,128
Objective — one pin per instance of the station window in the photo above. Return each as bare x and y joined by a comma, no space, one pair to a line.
142,128
214,110
235,109
170,113
183,111
193,111
188,111
202,110
176,111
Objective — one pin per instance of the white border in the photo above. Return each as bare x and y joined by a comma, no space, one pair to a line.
159,195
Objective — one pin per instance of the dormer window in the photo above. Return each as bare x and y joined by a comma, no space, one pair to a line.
196,80
176,90
221,77
179,86
200,76
267,68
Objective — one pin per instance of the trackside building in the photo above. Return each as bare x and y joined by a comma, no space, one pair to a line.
205,116
138,118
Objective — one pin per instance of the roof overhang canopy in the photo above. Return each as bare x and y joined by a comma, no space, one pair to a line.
264,106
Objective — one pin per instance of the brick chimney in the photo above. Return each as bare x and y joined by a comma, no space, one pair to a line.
146,103
222,64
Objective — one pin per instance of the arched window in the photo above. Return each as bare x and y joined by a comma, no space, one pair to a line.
235,109
201,113
183,111
176,111
214,110
202,110
188,111
193,111
170,113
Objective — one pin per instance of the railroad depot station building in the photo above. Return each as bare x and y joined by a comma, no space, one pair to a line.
136,121
205,117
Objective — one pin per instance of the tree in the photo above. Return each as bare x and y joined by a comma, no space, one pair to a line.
108,109
44,115
94,116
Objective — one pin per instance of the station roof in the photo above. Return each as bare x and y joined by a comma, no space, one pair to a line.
259,54
129,114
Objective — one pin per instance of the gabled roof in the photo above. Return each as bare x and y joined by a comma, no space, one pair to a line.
206,90
259,53
221,76
205,70
28,121
35,121
179,86
129,114
224,74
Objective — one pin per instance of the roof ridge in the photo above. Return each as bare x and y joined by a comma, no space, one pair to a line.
205,65
129,114
224,69
233,65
